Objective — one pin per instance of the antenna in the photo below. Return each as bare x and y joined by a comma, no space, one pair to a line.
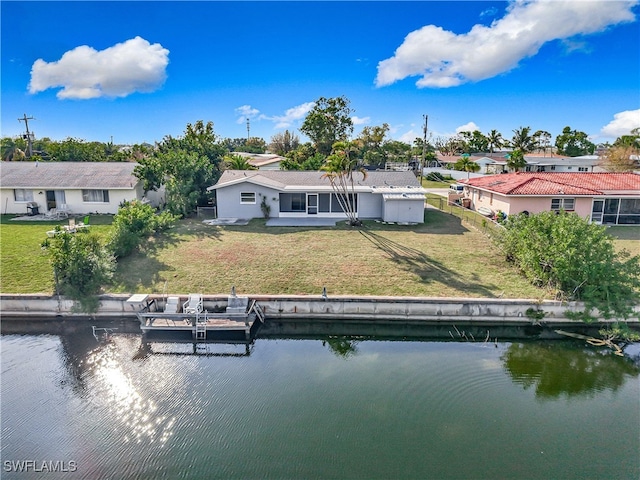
248,128
28,136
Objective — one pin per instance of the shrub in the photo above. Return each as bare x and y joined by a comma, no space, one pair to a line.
576,259
81,265
435,177
133,222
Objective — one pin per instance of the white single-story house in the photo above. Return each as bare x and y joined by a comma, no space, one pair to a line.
76,187
389,196
262,161
605,198
492,163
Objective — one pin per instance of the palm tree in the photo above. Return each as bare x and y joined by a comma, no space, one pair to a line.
522,140
465,164
516,160
238,162
11,150
339,168
495,140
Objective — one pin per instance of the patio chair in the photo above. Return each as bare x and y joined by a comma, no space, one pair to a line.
193,304
63,211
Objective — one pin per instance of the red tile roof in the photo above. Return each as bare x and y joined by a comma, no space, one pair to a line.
551,183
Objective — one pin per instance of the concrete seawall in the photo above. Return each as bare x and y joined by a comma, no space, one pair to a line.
291,308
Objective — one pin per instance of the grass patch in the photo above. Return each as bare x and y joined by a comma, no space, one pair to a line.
627,238
440,258
24,267
443,257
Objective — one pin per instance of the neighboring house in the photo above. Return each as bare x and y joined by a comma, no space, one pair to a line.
390,196
77,187
607,198
262,161
492,163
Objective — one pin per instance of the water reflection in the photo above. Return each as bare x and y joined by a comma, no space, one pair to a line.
571,371
115,388
341,346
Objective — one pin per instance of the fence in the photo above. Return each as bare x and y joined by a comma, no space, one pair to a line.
207,212
480,222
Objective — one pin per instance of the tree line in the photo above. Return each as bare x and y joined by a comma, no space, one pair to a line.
186,165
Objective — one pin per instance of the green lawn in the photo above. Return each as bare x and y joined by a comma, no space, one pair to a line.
443,257
24,268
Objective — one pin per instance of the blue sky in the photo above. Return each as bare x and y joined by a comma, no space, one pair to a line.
137,71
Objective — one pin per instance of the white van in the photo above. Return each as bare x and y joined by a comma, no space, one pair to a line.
456,187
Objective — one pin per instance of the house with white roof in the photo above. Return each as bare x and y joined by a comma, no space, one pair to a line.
605,198
389,196
262,161
75,187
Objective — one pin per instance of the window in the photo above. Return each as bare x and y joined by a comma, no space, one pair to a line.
566,204
293,202
95,196
324,202
247,197
583,169
22,195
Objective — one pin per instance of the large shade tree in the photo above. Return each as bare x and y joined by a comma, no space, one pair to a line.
328,122
186,166
574,143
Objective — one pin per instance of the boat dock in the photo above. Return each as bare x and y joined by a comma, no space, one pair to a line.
238,321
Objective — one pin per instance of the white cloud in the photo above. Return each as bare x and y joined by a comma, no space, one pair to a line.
360,121
445,59
468,127
622,124
291,115
409,137
117,71
246,111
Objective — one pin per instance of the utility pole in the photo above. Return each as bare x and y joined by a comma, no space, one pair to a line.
28,135
424,146
248,127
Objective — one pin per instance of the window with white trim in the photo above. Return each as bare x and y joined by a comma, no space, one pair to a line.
95,196
22,195
566,204
247,197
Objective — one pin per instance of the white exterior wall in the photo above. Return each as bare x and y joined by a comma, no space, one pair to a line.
403,211
369,205
73,199
229,206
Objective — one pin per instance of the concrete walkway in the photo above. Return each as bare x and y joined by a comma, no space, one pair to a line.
302,222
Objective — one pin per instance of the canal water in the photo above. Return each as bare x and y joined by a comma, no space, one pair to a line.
115,408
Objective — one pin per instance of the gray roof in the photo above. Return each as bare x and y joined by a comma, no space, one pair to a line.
280,179
68,175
